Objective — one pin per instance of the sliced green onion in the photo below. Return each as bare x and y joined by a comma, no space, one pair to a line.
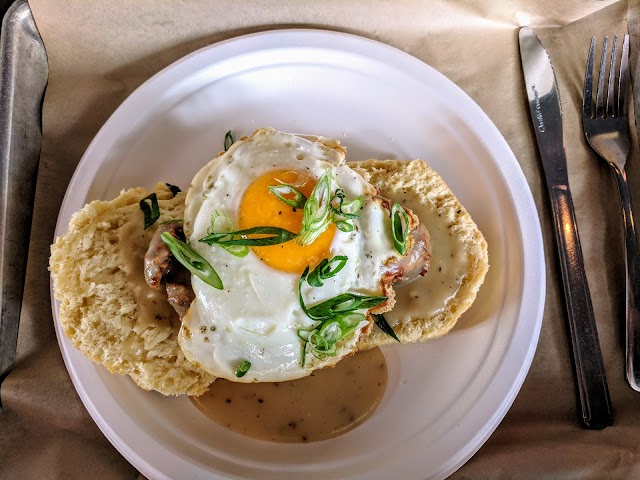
221,223
228,141
383,325
322,347
317,213
150,209
336,317
323,338
331,331
303,277
188,257
326,270
174,189
345,226
340,195
348,209
343,303
243,368
349,322
281,190
304,334
240,237
399,228
345,211
303,353
340,326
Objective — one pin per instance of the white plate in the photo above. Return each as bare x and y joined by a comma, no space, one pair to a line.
444,397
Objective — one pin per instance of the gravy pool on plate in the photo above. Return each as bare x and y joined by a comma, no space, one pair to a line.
328,403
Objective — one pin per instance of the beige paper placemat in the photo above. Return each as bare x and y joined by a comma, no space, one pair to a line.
99,52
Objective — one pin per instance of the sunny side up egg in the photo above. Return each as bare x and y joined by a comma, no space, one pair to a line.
256,320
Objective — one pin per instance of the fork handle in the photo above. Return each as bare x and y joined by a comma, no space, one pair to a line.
632,267
593,391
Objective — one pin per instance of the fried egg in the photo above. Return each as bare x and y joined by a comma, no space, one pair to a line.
256,318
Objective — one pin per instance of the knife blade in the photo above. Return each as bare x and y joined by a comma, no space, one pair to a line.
546,115
23,77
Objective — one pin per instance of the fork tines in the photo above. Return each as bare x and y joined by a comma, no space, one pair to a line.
615,105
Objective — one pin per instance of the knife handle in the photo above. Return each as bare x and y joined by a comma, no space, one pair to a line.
593,391
632,264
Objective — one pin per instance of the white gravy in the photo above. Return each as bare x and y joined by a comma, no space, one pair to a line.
448,264
328,403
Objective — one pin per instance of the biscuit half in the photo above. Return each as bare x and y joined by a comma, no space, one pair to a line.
111,315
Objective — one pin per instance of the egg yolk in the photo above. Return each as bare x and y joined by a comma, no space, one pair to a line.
259,207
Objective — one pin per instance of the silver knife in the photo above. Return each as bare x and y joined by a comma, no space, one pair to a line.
24,71
546,114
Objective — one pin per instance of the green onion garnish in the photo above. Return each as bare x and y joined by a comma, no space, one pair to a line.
321,347
221,223
344,210
326,270
243,368
150,209
336,317
399,228
188,257
341,325
383,325
344,303
340,304
317,213
240,237
281,190
322,339
303,352
345,226
228,141
174,189
348,209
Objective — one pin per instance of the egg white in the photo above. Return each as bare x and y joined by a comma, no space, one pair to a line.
257,315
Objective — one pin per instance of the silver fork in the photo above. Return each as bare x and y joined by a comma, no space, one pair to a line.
607,131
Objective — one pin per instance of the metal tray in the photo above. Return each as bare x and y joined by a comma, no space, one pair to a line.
23,78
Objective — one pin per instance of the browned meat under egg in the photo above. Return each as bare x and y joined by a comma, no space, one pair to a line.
415,263
158,258
404,270
179,291
160,265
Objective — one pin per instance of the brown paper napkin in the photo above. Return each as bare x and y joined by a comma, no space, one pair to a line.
99,52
